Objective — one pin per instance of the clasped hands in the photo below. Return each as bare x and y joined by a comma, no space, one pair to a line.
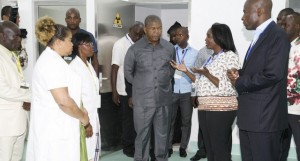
86,123
181,67
233,74
26,106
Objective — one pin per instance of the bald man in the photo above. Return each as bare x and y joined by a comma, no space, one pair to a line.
13,95
120,96
73,20
261,84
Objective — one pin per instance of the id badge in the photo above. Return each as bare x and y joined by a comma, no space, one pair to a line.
178,74
24,85
98,99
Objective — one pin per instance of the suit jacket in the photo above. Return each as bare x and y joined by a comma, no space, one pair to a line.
262,83
13,118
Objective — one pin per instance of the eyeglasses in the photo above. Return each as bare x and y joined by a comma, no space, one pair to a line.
88,44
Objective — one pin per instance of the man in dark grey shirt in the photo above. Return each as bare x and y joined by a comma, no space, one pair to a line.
148,69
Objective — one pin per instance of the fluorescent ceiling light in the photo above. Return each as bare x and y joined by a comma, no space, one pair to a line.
157,1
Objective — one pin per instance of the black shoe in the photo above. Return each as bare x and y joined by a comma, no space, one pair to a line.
152,155
131,155
128,152
170,152
107,148
197,157
182,152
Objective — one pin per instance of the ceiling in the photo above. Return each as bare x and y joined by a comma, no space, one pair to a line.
157,1
160,4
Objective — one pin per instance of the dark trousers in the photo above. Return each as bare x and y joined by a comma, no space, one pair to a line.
128,132
177,128
110,122
217,134
293,129
146,119
201,146
183,101
260,146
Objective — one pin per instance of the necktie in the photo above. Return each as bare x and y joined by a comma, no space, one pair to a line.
248,51
256,37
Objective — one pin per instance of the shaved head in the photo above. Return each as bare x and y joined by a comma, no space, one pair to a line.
10,36
73,19
136,31
265,5
74,11
256,12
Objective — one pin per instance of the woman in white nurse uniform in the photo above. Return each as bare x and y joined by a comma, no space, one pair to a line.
83,48
55,115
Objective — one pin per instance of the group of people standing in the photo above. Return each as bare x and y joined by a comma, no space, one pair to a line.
63,96
151,79
256,92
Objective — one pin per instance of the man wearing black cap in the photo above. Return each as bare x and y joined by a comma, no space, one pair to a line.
172,32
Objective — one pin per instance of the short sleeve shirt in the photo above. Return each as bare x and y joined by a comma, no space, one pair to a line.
118,55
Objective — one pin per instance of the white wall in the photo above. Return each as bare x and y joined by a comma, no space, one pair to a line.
203,15
7,3
168,16
27,8
141,12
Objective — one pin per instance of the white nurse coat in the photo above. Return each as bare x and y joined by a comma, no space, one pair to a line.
91,102
53,135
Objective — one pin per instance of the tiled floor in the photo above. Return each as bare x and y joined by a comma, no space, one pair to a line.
119,156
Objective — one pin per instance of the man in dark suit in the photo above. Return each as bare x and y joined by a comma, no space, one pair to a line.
261,84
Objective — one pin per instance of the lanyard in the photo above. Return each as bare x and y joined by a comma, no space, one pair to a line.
91,76
211,59
16,60
128,39
179,61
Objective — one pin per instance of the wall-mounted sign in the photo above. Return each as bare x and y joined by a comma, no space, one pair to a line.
117,22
